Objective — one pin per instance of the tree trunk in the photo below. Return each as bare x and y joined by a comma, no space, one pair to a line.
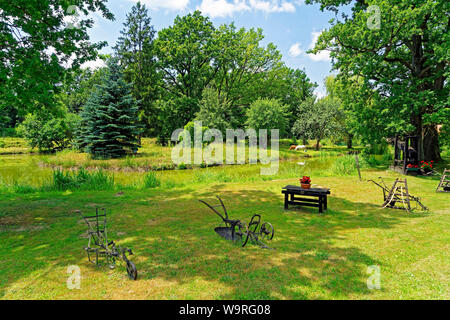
305,142
431,144
318,144
417,121
350,141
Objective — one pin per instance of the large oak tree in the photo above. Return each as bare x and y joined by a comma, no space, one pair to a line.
405,60
37,46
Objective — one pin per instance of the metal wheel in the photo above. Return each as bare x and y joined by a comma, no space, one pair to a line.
242,233
267,231
254,223
131,270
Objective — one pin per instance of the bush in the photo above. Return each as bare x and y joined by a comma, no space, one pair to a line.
216,113
267,114
48,133
151,181
344,166
378,148
9,132
190,127
174,114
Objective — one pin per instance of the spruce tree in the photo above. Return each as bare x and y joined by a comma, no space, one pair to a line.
135,51
110,118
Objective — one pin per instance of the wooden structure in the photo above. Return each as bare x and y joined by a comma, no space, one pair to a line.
406,153
292,197
398,196
444,184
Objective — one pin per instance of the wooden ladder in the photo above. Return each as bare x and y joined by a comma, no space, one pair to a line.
445,182
399,194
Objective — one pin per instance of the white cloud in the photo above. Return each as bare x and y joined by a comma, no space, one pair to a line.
272,6
165,4
323,55
295,50
99,63
222,8
225,8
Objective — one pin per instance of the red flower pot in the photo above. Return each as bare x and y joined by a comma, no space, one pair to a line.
306,186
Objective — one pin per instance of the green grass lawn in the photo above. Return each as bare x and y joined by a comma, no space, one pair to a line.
179,256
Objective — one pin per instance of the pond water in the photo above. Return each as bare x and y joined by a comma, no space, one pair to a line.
28,170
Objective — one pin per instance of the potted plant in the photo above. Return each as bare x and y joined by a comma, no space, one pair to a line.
427,166
305,182
412,167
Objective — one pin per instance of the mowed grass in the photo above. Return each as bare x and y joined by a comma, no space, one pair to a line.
179,256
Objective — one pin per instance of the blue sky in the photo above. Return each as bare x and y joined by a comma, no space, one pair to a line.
290,24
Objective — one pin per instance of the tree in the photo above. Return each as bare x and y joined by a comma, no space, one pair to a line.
78,87
109,120
8,118
344,98
216,113
404,60
48,132
290,86
184,53
174,114
36,47
241,63
267,114
317,120
136,54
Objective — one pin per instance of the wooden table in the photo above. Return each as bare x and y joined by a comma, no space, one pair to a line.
292,193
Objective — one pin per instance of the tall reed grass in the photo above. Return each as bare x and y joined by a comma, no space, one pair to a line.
151,181
81,180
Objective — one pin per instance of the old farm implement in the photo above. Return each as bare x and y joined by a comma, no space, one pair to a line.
100,247
240,232
398,196
444,184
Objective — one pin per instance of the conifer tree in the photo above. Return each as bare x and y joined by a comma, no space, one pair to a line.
110,118
135,51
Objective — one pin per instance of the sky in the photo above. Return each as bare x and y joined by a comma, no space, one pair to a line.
291,25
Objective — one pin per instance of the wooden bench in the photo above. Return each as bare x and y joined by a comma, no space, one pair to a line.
292,193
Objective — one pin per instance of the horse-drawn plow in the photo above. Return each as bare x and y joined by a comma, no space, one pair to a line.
240,232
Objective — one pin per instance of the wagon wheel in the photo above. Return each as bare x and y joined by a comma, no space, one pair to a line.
241,231
131,270
267,231
254,224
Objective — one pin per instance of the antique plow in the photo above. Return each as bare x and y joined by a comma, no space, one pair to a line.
398,197
99,246
240,232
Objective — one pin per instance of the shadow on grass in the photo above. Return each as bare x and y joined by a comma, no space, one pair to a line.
173,238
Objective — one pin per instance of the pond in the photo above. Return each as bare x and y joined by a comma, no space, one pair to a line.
29,170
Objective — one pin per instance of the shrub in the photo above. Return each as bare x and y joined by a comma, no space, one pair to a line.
9,132
190,127
49,133
151,181
174,114
267,114
344,166
216,113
